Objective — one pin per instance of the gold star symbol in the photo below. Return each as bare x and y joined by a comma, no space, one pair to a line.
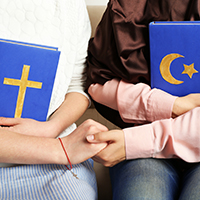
189,70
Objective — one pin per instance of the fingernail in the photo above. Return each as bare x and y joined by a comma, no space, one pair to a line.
90,137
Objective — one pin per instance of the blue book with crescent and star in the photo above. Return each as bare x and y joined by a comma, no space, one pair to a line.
26,80
175,56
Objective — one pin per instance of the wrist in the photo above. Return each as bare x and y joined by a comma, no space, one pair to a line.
160,105
53,128
60,156
66,154
180,107
176,108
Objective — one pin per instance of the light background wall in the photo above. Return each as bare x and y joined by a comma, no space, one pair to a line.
96,2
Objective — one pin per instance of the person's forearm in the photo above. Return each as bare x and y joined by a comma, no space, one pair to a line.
139,103
22,149
73,107
136,103
167,138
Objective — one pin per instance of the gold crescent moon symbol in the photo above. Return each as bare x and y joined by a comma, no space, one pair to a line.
165,68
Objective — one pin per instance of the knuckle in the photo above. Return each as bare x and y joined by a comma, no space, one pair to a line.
87,121
108,164
91,129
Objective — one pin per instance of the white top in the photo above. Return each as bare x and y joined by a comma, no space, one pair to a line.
59,23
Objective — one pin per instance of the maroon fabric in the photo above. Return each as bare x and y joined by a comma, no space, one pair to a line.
120,47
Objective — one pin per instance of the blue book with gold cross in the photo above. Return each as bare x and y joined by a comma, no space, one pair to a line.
26,79
175,56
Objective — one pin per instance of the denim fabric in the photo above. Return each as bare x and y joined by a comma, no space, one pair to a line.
155,179
191,184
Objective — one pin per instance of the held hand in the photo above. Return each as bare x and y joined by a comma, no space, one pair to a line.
76,145
184,104
28,127
115,150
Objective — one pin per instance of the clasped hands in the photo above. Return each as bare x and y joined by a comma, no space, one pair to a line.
89,140
93,140
114,152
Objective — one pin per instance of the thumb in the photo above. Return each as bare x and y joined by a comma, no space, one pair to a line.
98,137
90,138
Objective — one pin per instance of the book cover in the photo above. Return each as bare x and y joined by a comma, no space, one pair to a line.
26,79
174,56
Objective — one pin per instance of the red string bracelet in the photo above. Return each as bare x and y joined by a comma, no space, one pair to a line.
66,155
75,175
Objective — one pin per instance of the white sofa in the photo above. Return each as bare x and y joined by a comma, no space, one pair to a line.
102,173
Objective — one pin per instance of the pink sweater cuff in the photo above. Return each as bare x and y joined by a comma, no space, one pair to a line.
168,138
159,105
139,142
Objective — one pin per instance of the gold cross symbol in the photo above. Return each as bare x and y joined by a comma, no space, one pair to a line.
23,83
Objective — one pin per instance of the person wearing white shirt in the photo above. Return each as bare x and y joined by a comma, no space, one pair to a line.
32,157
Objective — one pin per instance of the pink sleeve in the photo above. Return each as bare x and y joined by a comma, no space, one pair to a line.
139,103
166,138
136,103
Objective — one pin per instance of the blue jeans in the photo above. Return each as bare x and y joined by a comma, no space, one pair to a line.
155,179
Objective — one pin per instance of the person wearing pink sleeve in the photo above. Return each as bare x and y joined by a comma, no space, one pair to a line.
136,103
158,158
165,137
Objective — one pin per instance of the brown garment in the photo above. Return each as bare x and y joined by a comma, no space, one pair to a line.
120,47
